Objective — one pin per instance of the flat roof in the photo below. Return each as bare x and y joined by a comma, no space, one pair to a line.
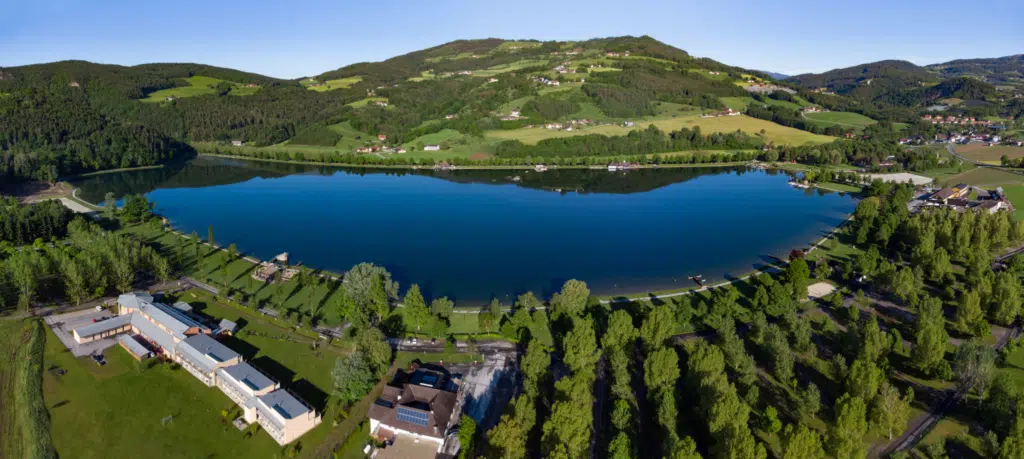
285,404
133,345
205,351
175,320
103,326
153,333
249,376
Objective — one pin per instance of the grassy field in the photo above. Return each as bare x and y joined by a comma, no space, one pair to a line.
366,101
982,152
773,132
328,85
1015,194
23,415
984,176
844,119
198,86
442,136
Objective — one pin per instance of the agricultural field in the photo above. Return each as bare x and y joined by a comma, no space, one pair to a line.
1015,193
985,176
773,132
424,76
443,136
844,119
985,153
198,86
499,69
328,85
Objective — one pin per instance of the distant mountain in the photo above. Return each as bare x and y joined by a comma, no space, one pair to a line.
1007,70
868,79
777,76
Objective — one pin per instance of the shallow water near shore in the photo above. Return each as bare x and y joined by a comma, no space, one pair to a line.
473,235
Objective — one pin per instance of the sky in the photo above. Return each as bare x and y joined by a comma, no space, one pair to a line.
309,37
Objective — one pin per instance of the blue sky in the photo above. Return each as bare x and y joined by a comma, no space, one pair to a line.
308,37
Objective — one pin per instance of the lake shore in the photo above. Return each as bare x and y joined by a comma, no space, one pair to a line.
462,167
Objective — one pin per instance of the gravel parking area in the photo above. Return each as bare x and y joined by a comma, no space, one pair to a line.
62,324
487,387
902,177
819,290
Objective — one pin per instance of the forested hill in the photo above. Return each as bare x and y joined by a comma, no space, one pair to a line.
868,80
1007,70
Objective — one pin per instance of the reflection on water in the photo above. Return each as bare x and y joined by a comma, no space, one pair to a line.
474,234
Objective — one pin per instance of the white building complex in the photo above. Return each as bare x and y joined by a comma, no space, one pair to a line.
148,327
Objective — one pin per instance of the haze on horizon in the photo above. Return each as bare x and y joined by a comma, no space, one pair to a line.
309,38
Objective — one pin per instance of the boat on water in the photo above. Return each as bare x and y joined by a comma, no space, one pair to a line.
798,184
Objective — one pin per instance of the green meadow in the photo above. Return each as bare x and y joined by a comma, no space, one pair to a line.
199,86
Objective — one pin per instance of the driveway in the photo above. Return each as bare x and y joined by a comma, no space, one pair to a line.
63,324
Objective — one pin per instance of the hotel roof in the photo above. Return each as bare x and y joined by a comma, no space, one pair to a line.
169,317
205,351
133,346
249,376
152,332
88,330
284,404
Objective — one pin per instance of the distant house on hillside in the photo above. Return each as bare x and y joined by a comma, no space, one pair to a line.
252,85
382,137
431,148
236,143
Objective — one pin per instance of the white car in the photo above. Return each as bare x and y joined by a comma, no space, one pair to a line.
99,308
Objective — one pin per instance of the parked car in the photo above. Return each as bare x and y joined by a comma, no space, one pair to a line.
99,308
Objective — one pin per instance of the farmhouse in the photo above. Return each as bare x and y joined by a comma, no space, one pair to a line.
382,137
431,148
236,143
422,409
148,327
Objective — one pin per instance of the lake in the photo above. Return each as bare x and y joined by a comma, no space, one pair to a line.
473,235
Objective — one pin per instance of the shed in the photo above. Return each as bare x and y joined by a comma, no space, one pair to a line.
183,306
227,326
136,349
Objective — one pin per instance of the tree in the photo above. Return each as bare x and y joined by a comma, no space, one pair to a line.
535,365
232,254
973,364
580,348
358,283
661,370
656,328
969,315
801,442
376,350
801,333
770,420
508,438
25,267
889,411
442,307
940,265
110,205
1013,444
875,344
571,300
781,356
621,331
136,208
467,437
1006,298
807,402
846,439
798,275
416,312
864,379
353,377
930,336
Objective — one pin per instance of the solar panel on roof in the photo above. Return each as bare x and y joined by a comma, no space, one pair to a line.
415,417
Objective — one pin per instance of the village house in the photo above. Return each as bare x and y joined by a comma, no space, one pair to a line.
144,324
380,103
421,410
382,137
450,117
431,148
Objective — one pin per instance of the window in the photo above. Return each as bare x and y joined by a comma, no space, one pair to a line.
411,416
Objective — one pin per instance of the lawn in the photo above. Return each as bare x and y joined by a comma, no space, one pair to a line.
313,299
341,83
1015,194
198,86
983,152
985,176
844,119
773,132
436,138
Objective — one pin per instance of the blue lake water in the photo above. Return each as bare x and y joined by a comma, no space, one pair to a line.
472,235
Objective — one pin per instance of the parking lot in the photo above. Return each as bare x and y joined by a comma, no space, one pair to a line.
62,324
487,387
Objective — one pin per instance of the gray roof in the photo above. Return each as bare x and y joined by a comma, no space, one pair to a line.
169,317
228,325
205,352
134,300
284,404
183,306
152,332
103,326
249,376
133,345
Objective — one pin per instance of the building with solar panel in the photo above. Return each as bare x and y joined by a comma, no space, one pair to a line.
415,418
